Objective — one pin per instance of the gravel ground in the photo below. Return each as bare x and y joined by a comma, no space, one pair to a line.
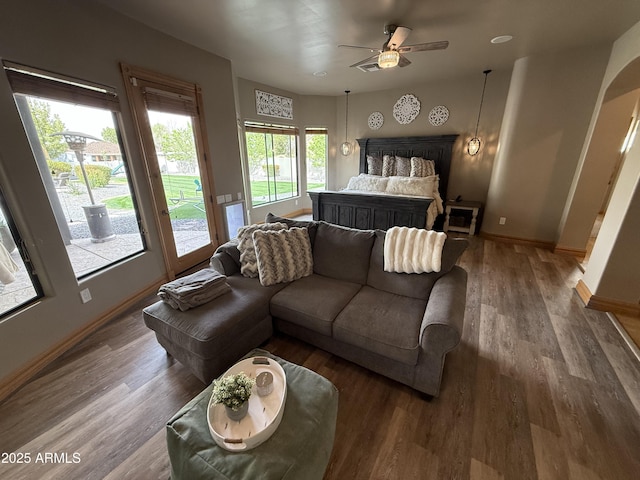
122,221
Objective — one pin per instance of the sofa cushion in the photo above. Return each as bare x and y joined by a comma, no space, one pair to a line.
383,323
411,284
283,255
342,252
313,302
248,261
205,330
310,225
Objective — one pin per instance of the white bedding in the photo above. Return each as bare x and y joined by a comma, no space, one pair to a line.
426,187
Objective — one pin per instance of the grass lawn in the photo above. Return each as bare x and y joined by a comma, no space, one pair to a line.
174,184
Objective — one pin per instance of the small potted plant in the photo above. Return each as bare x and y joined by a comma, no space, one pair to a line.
233,391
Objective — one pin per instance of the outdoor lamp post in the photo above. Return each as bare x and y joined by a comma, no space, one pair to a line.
96,214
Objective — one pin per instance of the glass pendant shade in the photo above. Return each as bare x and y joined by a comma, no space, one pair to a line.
345,149
388,59
473,147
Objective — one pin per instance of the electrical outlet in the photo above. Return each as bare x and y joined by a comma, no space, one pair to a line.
228,197
503,220
220,199
85,295
239,195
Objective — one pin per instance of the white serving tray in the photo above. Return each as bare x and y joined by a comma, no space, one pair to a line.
265,413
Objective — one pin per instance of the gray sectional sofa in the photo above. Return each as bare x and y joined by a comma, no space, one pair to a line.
396,324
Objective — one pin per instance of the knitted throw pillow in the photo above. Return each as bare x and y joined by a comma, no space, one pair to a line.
388,165
283,256
248,263
421,167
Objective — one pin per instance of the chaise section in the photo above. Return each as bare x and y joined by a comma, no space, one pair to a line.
210,338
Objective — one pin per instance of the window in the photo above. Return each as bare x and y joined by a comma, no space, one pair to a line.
317,151
74,132
272,158
18,284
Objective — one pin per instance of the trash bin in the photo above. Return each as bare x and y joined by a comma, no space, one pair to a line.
99,223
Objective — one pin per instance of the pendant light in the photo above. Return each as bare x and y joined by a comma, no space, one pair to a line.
473,147
345,148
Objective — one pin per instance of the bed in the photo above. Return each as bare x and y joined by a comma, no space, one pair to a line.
378,209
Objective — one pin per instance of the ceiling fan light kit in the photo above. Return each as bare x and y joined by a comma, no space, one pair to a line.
473,147
391,53
388,59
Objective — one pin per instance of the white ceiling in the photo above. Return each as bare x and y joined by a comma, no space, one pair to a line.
281,43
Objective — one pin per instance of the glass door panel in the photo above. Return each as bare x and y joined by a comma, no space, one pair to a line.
175,149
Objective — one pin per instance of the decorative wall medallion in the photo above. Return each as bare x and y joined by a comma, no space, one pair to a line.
406,109
273,105
438,115
375,120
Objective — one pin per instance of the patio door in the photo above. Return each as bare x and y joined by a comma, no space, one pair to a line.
172,130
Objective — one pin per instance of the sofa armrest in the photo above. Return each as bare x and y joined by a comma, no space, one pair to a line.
443,319
226,259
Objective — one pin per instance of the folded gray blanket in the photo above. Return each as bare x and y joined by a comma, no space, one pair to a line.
193,290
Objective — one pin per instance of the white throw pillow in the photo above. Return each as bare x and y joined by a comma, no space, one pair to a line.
368,183
419,186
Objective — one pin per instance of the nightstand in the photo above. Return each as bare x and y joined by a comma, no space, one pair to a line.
461,222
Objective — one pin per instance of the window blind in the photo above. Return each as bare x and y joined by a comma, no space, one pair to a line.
39,83
164,101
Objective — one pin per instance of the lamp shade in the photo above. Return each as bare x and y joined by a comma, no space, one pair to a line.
388,59
473,147
346,148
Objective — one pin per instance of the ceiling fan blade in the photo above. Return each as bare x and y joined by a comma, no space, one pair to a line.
398,37
373,58
371,49
404,61
421,47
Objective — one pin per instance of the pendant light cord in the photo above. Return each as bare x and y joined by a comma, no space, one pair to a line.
346,118
486,74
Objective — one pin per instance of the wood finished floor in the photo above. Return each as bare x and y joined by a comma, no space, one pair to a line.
540,387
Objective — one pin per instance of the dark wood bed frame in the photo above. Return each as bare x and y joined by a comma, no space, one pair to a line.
369,211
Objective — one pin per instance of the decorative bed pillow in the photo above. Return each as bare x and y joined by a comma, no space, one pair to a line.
388,165
283,255
368,183
248,263
374,165
403,166
421,167
421,186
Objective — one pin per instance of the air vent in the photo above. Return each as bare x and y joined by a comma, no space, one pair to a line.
369,67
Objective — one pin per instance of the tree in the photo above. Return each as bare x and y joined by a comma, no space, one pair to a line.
177,144
109,135
317,150
46,125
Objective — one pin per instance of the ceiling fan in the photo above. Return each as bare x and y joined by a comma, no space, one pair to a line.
391,53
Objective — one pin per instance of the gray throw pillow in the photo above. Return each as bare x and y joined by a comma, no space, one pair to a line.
342,253
248,261
283,255
310,225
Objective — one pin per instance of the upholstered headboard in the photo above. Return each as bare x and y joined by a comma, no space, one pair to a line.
437,148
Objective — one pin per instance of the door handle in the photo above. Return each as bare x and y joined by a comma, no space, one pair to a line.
164,212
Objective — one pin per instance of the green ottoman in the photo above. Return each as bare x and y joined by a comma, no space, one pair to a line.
299,449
